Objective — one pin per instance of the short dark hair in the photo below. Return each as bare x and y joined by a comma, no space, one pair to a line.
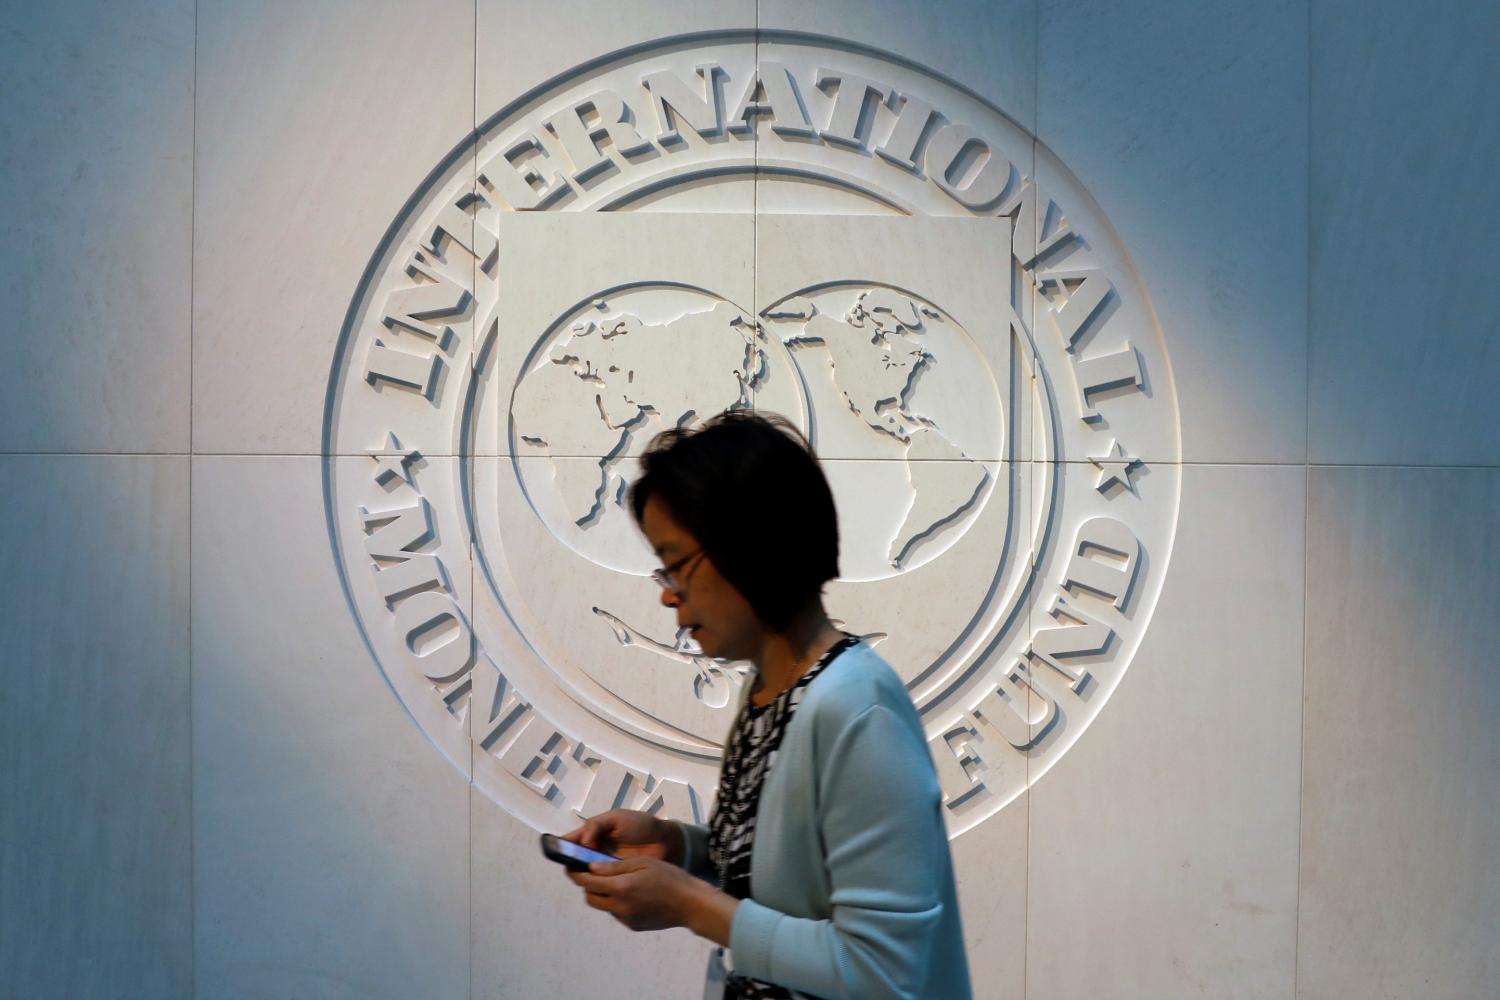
750,490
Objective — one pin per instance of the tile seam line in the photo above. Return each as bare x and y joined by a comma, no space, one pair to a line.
1302,725
1036,131
824,459
1307,474
1227,463
192,756
1392,466
474,282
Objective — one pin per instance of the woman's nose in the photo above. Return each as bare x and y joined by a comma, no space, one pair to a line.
669,597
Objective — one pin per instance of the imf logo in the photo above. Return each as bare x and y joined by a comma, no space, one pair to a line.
776,222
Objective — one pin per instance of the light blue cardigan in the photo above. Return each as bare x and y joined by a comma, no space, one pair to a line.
852,891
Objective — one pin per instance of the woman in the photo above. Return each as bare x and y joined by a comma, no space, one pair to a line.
825,869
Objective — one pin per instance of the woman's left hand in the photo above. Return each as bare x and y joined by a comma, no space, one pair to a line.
648,894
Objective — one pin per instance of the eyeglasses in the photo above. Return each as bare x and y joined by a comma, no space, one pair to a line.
670,577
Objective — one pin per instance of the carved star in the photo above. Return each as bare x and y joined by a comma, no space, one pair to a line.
1115,468
389,466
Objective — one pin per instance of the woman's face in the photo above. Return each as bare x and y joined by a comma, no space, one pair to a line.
722,622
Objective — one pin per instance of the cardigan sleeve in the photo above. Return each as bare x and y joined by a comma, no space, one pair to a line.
695,850
882,830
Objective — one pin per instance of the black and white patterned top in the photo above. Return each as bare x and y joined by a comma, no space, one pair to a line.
748,758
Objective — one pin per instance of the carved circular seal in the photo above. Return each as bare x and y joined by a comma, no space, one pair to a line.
748,220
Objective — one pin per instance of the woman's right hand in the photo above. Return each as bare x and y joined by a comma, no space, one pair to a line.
629,833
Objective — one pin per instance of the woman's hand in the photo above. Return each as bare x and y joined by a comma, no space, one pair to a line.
649,894
627,833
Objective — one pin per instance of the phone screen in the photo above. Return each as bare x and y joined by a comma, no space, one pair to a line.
556,845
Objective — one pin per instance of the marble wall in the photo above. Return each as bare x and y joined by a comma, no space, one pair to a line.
217,784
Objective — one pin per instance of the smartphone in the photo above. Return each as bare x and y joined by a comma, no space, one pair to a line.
571,856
